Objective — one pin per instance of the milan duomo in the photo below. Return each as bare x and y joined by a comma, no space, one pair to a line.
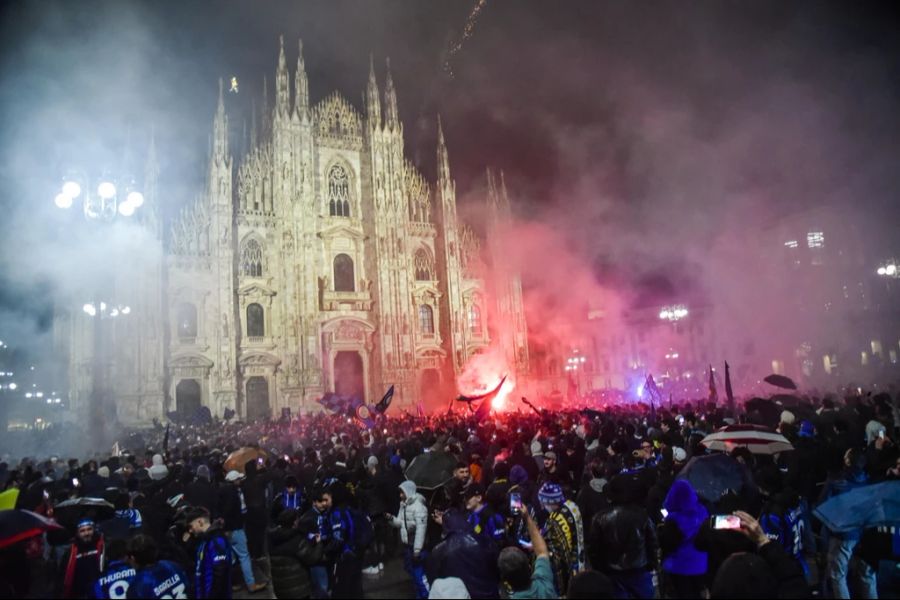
319,260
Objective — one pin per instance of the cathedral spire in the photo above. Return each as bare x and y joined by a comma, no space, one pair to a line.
282,83
391,118
373,102
443,161
301,85
220,129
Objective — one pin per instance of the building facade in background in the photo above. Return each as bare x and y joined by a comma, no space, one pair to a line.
319,260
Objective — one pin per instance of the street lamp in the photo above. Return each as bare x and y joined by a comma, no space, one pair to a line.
101,203
104,203
889,268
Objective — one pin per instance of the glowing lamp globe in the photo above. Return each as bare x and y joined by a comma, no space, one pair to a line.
882,271
63,200
106,190
135,198
71,189
126,209
891,269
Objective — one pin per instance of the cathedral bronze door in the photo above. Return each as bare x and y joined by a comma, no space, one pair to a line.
187,397
349,377
257,399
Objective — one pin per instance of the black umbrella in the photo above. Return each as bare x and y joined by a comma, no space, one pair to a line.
19,525
431,470
70,512
769,412
781,381
713,475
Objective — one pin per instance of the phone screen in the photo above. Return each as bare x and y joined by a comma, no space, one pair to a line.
664,512
727,522
75,482
515,503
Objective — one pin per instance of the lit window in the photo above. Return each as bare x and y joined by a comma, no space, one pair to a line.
343,274
815,239
893,354
864,358
876,348
791,243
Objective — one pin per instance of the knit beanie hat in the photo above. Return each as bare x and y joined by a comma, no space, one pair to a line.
518,475
787,417
550,493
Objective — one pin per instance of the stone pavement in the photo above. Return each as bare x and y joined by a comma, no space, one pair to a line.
392,583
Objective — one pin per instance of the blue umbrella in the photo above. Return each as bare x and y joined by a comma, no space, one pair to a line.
861,508
713,475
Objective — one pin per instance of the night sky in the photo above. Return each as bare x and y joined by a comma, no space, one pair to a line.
643,129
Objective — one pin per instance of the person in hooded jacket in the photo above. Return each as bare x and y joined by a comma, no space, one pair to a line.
684,566
412,520
212,570
293,550
591,498
202,492
462,555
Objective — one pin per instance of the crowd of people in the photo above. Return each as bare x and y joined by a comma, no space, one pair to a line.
527,504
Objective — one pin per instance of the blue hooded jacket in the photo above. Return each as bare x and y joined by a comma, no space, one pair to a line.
685,511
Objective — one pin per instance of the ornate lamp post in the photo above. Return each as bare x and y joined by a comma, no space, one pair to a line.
112,198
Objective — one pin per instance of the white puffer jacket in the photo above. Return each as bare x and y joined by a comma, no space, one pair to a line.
412,519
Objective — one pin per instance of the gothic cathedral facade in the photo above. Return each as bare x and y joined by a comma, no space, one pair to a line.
320,260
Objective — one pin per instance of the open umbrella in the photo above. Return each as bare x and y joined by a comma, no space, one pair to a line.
240,457
18,525
781,381
71,511
431,470
712,476
769,412
861,508
757,439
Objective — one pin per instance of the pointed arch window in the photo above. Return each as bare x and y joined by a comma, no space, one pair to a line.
475,319
338,191
343,274
424,266
187,320
256,325
426,319
252,259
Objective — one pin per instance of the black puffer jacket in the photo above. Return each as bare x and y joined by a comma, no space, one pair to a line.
290,556
622,539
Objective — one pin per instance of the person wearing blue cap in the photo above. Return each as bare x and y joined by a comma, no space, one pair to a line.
564,532
85,561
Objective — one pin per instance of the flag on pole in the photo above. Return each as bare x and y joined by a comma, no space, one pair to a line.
116,451
713,394
486,396
655,395
420,409
484,411
165,440
729,393
385,402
